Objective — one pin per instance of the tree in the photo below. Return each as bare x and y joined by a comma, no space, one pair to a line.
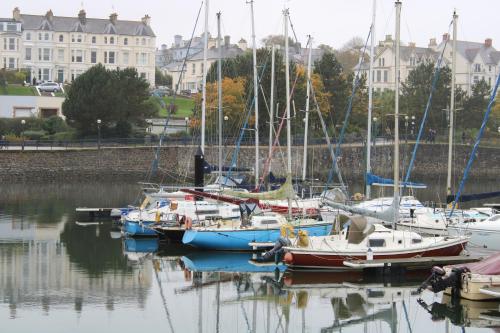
279,40
336,82
113,96
474,106
416,90
162,79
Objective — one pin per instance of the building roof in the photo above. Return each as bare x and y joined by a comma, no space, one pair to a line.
92,25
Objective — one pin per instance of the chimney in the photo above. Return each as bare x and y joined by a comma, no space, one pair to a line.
16,14
146,20
177,40
432,42
446,37
488,42
82,16
227,41
113,18
412,44
49,15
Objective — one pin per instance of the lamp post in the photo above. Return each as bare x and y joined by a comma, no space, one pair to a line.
375,127
23,122
406,128
412,126
186,119
98,134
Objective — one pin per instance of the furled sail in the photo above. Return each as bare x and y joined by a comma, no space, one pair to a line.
475,196
372,179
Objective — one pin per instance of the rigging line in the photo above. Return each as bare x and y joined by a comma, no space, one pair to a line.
293,29
154,164
476,144
437,72
349,108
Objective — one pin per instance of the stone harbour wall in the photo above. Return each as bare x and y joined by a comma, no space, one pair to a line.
176,162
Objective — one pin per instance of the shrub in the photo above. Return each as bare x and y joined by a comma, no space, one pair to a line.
33,135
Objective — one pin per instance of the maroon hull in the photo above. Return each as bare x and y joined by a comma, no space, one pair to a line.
333,260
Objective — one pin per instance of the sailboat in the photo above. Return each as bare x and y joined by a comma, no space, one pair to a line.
263,228
359,239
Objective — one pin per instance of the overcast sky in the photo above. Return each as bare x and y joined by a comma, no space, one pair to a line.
330,22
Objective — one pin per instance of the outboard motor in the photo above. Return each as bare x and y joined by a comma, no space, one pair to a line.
439,281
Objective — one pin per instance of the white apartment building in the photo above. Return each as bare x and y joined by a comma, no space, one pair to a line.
475,61
56,48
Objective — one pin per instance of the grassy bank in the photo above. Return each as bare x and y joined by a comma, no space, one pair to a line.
184,106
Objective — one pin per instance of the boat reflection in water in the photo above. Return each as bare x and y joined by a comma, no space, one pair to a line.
136,250
464,313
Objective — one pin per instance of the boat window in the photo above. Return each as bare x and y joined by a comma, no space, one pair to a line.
376,242
236,210
376,293
206,212
263,222
416,240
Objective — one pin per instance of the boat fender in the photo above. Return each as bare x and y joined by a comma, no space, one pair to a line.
303,239
288,258
189,223
157,217
369,254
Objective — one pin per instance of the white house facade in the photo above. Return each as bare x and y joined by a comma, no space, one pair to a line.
55,48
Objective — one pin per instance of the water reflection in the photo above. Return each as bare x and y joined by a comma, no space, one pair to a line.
85,277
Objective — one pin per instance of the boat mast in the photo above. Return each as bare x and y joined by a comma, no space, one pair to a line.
396,116
256,97
452,102
288,124
370,101
219,91
204,80
271,109
306,119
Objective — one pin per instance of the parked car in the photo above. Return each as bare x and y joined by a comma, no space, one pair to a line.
49,87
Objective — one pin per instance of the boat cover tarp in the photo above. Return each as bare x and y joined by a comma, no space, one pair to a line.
488,266
471,197
284,192
372,179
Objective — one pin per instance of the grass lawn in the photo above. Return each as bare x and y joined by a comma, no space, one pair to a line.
18,90
184,106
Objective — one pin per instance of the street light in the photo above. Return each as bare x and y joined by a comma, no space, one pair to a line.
186,119
23,122
412,125
98,134
406,128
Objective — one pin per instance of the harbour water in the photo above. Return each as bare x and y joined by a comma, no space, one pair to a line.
57,275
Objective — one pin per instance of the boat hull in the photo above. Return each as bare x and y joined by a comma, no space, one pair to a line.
136,229
335,260
239,239
171,234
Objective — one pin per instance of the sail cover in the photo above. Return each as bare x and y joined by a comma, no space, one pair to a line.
372,179
471,197
284,192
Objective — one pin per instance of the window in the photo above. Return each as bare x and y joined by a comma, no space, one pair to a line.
76,56
93,40
476,79
477,68
72,38
193,69
43,74
416,240
412,61
93,57
137,41
379,76
143,75
376,242
12,63
79,38
111,40
125,58
105,40
60,55
61,38
125,41
385,76
201,71
27,53
46,36
28,36
142,60
109,57
489,68
144,41
12,44
11,26
39,36
44,54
